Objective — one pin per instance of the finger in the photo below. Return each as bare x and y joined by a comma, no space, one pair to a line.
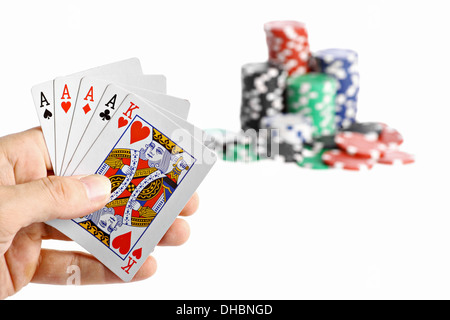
191,207
42,231
177,234
24,157
53,234
37,137
52,198
69,267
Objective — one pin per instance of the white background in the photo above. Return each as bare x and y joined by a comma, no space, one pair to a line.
268,230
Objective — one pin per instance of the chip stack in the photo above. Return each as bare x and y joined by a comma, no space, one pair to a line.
342,64
288,45
263,90
288,133
313,95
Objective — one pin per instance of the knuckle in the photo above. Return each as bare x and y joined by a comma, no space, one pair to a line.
57,191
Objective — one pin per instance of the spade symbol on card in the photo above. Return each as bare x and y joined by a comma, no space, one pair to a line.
122,243
47,114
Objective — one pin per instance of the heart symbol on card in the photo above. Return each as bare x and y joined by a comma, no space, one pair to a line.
138,132
122,122
137,253
66,106
122,243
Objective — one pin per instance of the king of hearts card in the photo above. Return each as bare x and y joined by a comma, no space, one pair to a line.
142,181
154,165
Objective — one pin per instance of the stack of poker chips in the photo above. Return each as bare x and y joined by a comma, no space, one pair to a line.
300,106
358,147
342,64
288,133
313,95
263,87
288,45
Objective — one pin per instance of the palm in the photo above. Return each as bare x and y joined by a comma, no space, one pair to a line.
24,158
20,261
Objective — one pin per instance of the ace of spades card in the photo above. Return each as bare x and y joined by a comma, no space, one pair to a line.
154,165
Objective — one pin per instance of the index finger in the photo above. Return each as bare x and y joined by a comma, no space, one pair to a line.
191,207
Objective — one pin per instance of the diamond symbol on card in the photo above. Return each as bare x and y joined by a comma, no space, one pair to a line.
86,108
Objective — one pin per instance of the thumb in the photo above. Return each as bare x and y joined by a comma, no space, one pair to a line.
53,198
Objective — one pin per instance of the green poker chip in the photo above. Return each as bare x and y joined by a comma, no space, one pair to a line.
313,95
314,161
239,153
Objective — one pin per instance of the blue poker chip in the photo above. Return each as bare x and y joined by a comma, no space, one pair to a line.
342,64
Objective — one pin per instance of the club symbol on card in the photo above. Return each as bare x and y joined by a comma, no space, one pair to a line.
47,114
66,106
122,122
105,115
122,243
138,132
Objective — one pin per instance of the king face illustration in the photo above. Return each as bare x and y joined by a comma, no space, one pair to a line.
142,181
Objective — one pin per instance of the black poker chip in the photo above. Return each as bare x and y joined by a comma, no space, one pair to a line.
289,152
365,127
322,142
263,93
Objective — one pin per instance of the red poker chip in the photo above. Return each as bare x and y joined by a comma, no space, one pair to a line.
390,137
342,160
288,45
395,157
365,146
283,29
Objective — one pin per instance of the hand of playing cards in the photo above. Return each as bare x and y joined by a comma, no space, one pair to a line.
117,122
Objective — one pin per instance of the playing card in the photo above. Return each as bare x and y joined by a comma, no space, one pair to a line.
65,90
110,101
90,91
44,103
154,166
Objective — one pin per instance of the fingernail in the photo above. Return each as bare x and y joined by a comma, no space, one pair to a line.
98,188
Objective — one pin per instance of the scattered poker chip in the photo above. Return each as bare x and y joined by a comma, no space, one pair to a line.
365,146
232,146
395,157
390,137
323,142
289,152
314,161
239,153
341,160
365,127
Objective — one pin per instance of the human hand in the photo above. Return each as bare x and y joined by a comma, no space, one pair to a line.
30,195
